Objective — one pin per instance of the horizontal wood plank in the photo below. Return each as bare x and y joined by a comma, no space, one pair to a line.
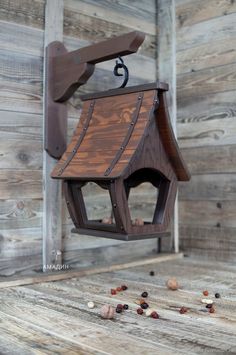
210,159
209,243
26,12
219,214
189,13
209,187
138,16
20,184
208,81
219,28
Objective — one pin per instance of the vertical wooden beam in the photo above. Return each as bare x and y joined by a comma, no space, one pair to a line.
166,69
52,204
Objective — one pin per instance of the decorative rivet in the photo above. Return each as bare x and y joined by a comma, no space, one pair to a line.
74,150
114,205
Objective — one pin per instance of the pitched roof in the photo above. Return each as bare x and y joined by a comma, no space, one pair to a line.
110,129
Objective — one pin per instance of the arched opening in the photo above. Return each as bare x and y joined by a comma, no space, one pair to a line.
146,191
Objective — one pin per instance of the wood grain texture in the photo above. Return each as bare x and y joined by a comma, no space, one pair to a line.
166,69
60,309
25,12
206,123
52,190
191,12
219,28
210,187
21,213
89,28
138,16
20,184
209,243
210,159
219,214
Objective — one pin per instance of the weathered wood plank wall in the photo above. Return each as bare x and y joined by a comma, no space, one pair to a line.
21,120
206,90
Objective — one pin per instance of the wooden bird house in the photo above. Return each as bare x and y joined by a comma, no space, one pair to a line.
124,138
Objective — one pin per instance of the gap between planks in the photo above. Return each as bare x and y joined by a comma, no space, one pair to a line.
27,280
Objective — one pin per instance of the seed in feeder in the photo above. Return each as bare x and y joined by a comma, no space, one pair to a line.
119,289
206,301
209,305
107,220
138,222
125,306
172,284
90,304
155,315
107,311
144,294
205,293
212,310
217,295
124,287
151,273
140,311
144,305
113,292
183,310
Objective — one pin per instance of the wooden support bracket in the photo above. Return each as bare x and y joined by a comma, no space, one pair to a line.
67,71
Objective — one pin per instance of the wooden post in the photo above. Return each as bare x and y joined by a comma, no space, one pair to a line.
52,204
166,69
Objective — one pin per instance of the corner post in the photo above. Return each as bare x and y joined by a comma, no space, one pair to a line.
52,190
166,68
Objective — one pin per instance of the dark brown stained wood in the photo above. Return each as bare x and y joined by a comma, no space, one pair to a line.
126,90
111,136
191,12
168,139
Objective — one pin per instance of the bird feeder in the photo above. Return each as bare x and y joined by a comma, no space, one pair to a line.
123,139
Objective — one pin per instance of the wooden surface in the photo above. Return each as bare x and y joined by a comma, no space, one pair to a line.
53,317
206,113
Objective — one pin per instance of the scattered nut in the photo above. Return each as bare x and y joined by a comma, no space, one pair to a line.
149,312
172,284
206,301
107,312
90,304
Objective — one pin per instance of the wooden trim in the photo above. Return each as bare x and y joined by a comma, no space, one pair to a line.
128,134
128,90
52,194
28,280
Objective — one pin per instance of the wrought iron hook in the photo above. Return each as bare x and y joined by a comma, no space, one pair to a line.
121,65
